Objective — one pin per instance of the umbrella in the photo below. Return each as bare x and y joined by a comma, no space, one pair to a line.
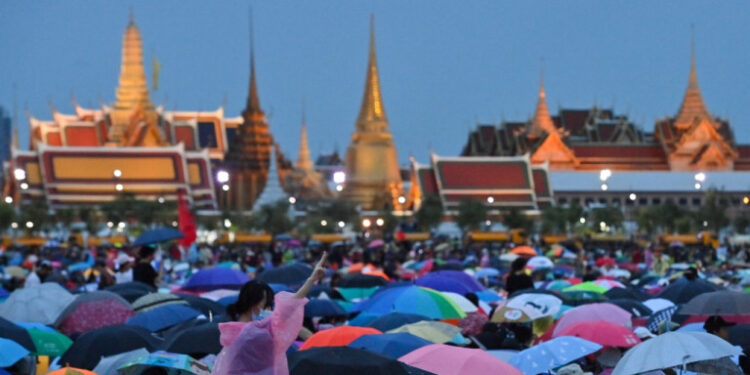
526,251
93,310
605,261
208,279
556,285
338,336
49,342
463,303
659,317
488,296
452,360
175,364
153,300
204,305
718,303
483,273
323,308
90,346
11,331
673,349
361,281
197,340
591,312
15,271
375,243
638,309
553,353
588,286
577,298
412,300
157,235
283,237
527,307
163,317
39,304
71,371
131,291
609,284
683,290
539,262
11,352
450,281
658,304
437,332
345,360
290,274
394,320
392,345
625,293
352,294
110,364
601,332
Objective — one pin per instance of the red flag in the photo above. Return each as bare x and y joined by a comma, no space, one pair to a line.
186,222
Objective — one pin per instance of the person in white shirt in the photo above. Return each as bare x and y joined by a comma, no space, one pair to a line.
124,268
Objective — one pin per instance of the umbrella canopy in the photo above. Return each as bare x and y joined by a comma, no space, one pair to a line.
723,302
204,305
436,332
553,353
208,279
526,251
483,273
673,349
375,243
157,235
637,308
110,364
290,274
216,295
556,285
527,307
392,345
580,297
323,308
683,290
11,331
49,342
452,360
91,346
93,310
345,360
11,352
175,364
626,293
412,300
660,317
338,336
658,304
198,340
601,332
539,262
131,291
71,371
163,317
361,281
588,286
450,281
609,284
39,304
153,300
463,303
594,311
394,320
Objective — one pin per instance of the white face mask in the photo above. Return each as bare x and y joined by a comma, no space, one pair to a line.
265,313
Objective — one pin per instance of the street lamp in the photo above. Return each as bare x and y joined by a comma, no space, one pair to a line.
605,174
19,174
490,200
9,199
339,177
380,222
341,224
632,196
323,223
582,220
339,187
24,186
121,225
402,199
14,225
160,199
697,186
292,200
29,224
117,173
225,187
366,223
227,223
118,187
174,223
700,177
110,224
605,187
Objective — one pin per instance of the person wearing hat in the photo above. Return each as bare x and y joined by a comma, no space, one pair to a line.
123,268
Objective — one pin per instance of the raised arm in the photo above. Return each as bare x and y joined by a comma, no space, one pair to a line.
317,274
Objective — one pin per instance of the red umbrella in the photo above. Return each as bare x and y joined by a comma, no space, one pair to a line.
339,336
94,310
602,332
606,261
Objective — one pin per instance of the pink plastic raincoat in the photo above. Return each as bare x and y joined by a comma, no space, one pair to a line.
259,347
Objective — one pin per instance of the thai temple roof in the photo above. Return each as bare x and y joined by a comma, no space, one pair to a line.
272,192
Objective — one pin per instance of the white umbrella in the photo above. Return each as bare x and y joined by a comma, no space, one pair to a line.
39,304
658,304
109,365
461,301
528,307
673,349
539,262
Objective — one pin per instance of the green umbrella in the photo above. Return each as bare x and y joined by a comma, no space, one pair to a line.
557,285
174,364
579,297
49,342
357,293
586,287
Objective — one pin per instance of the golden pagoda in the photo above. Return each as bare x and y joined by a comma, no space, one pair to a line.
551,148
304,182
373,178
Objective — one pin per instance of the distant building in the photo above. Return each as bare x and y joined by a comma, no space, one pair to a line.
6,140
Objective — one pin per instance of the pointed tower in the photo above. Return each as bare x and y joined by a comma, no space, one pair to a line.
552,148
693,108
132,92
373,178
304,163
249,155
272,191
542,122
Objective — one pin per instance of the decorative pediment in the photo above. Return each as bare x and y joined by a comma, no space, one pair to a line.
554,151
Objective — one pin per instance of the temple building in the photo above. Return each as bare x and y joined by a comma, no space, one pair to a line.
304,182
373,177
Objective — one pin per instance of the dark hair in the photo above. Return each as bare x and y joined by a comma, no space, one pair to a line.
146,251
252,293
473,298
518,264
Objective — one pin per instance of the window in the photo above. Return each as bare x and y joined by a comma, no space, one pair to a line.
207,135
562,200
603,200
656,201
696,201
643,201
576,201
629,202
723,201
616,201
589,201
683,201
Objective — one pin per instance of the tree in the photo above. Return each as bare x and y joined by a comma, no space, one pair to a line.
741,222
713,212
668,214
65,216
471,213
610,215
684,225
7,215
89,216
514,218
647,219
430,213
554,219
37,213
275,218
573,215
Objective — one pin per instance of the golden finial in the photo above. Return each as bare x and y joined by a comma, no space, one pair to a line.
372,104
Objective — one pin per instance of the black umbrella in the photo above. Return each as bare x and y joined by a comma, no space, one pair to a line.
131,291
10,331
88,349
626,293
637,308
740,335
291,274
157,235
361,281
323,308
344,360
199,339
395,320
206,306
723,302
683,290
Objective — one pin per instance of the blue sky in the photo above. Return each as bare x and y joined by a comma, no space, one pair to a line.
444,65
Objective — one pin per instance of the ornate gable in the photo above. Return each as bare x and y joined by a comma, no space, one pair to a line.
554,151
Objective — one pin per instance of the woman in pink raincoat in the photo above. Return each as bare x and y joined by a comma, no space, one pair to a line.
255,343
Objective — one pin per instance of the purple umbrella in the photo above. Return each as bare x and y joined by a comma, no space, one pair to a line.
209,279
450,281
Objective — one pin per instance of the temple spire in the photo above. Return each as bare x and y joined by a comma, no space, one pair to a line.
693,107
253,100
542,121
372,103
304,163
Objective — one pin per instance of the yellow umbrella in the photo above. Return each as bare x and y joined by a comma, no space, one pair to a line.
434,331
15,271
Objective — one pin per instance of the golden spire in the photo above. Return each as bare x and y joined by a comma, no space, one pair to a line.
542,121
304,163
693,107
253,100
372,102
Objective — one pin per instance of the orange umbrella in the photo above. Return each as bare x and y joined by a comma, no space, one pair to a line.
524,251
71,371
339,336
377,272
356,267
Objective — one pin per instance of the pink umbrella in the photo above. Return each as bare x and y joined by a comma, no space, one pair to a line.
452,360
603,333
376,243
593,311
94,310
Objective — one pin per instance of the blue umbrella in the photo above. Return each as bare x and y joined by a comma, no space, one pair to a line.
163,317
450,281
11,352
157,235
394,320
553,353
209,279
323,308
279,288
488,296
228,300
3,293
290,274
283,237
392,345
363,319
486,272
